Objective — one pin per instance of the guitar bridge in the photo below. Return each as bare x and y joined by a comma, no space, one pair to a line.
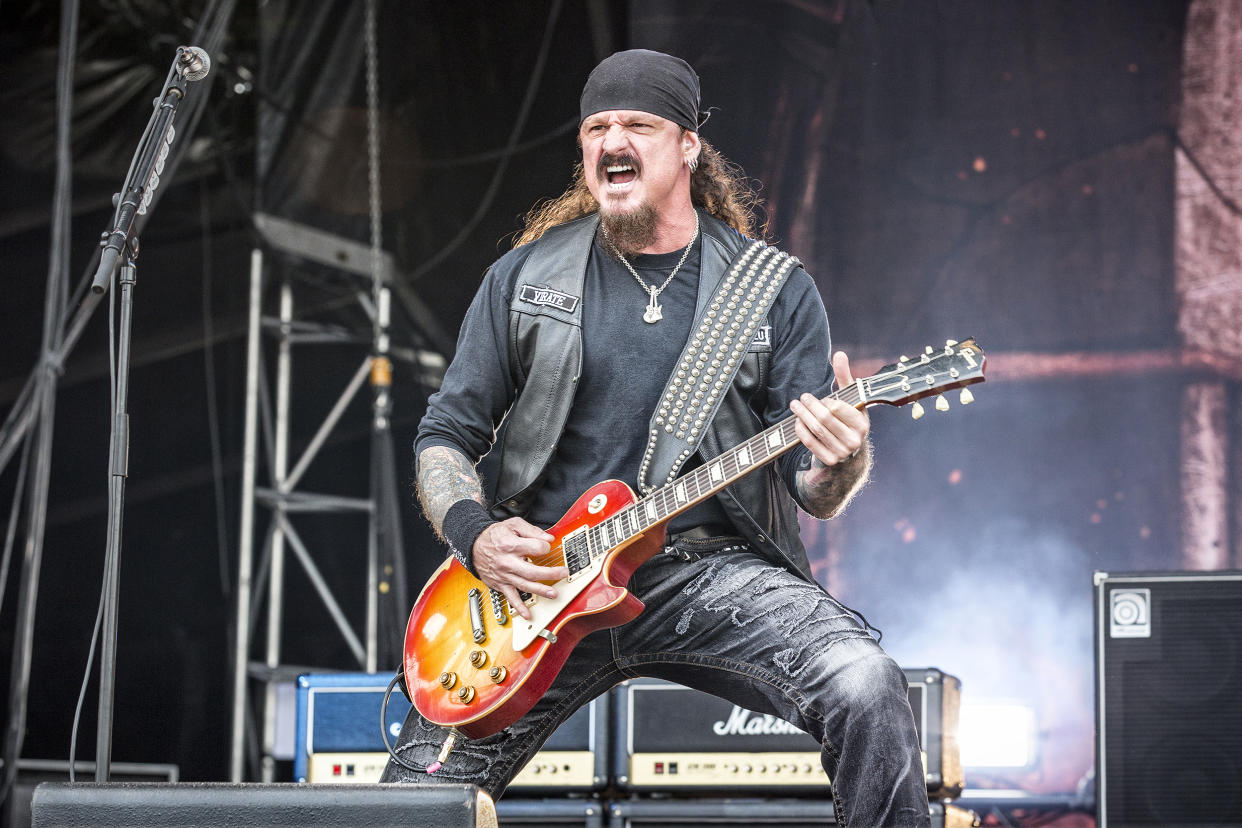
499,610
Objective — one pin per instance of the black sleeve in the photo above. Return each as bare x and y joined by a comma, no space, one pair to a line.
801,361
478,385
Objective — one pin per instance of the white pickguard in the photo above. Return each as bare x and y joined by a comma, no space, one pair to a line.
543,611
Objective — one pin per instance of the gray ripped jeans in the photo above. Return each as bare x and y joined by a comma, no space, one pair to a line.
731,624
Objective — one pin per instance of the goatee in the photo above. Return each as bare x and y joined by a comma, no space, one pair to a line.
630,233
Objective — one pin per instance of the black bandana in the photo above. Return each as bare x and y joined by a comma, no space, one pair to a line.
645,81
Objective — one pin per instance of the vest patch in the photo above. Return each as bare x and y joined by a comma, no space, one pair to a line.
547,296
763,336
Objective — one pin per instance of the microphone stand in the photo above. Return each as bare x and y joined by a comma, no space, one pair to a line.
134,198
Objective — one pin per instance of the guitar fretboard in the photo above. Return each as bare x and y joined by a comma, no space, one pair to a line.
692,488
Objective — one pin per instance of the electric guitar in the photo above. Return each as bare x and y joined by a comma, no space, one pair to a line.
472,664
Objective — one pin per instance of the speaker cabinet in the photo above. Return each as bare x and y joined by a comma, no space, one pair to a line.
778,813
217,805
1168,698
584,813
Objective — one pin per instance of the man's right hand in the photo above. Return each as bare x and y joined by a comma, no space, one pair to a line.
507,557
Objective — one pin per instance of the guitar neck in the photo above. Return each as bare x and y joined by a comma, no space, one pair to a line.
959,364
701,483
696,486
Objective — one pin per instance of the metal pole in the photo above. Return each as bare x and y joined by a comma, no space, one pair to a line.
245,544
43,403
373,524
381,368
381,387
118,470
36,511
276,577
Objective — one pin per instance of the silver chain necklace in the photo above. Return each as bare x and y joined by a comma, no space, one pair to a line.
653,314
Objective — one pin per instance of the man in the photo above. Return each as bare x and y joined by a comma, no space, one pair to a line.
589,338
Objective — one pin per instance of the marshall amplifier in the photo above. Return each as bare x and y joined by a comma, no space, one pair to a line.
786,813
338,737
670,738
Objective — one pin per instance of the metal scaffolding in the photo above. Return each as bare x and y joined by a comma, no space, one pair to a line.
262,577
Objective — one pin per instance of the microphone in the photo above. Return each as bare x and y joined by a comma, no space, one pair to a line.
190,64
193,62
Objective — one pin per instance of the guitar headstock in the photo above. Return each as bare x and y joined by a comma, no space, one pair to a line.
955,365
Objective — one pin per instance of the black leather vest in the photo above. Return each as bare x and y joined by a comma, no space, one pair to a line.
545,348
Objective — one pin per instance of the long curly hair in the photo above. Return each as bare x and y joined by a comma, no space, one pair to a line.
717,185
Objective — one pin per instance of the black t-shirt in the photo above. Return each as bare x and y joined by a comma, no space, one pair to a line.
626,363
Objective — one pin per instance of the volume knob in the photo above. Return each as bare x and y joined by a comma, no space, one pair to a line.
466,694
498,673
478,658
448,679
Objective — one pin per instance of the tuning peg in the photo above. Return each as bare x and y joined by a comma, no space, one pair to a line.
949,343
928,350
916,410
904,358
941,403
966,397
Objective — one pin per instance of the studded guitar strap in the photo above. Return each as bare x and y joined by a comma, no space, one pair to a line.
711,359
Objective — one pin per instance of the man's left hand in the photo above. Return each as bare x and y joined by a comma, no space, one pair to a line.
833,430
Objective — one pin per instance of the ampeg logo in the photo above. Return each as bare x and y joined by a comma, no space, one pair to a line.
1130,613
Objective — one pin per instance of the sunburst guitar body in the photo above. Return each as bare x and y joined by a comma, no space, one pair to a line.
473,664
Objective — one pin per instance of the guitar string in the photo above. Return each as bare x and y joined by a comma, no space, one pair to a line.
661,497
556,555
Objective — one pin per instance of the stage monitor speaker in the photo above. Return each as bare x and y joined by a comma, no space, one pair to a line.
1168,661
15,812
222,805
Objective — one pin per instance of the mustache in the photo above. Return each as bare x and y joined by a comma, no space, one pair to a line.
606,161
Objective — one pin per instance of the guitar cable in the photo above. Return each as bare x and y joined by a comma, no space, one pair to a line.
445,749
384,728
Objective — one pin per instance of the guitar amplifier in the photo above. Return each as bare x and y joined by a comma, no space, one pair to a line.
671,738
785,813
339,740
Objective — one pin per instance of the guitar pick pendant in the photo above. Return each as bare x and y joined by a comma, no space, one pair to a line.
652,315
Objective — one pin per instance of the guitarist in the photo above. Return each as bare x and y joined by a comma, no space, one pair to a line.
572,339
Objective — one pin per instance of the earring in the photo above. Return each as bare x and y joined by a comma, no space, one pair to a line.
693,164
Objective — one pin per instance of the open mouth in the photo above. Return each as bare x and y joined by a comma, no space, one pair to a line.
620,174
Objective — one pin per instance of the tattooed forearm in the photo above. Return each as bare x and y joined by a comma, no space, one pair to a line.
825,490
445,476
